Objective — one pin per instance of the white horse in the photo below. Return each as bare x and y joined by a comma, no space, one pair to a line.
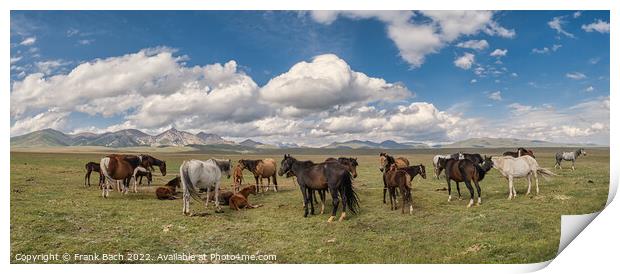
524,166
568,156
436,163
196,174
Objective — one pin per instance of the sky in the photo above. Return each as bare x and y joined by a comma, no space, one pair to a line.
314,77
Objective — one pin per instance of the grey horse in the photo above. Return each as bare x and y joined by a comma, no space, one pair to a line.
568,156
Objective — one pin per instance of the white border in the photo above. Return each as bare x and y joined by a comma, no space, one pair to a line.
594,249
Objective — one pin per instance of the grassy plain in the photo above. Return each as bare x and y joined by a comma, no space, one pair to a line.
52,212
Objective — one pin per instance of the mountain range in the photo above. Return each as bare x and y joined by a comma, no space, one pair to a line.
173,137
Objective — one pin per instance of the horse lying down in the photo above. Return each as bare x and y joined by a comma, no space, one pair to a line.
168,191
240,199
524,166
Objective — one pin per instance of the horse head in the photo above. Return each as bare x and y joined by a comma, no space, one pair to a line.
286,164
385,161
422,170
162,168
583,151
487,164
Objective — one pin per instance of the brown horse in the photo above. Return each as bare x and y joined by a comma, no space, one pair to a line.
520,152
265,168
149,161
398,178
240,199
223,197
466,171
168,191
385,161
350,163
237,178
121,167
93,167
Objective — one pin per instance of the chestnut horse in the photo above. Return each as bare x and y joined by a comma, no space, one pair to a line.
265,168
93,167
120,167
237,178
401,178
168,191
240,199
385,161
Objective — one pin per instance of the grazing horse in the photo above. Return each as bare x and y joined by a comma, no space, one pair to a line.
401,178
568,156
328,175
466,171
168,191
93,167
265,168
524,166
149,161
520,152
240,199
436,167
121,167
196,174
237,178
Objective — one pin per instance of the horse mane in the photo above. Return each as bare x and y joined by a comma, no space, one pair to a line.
349,160
223,164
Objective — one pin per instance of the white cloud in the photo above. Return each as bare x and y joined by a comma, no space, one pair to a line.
48,119
86,41
589,89
328,81
576,75
499,52
546,50
496,96
473,81
29,41
49,66
557,24
15,59
417,39
465,61
599,25
577,14
474,44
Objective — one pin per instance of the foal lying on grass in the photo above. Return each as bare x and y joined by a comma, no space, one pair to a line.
240,199
168,191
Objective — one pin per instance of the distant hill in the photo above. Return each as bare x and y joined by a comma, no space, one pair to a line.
254,144
388,144
121,138
508,142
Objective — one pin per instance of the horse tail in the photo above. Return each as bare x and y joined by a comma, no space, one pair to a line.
545,173
346,187
105,162
187,182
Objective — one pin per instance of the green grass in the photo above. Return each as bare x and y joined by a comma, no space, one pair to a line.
51,212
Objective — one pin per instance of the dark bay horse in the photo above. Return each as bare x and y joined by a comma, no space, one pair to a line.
93,167
265,168
144,173
474,157
385,161
328,175
520,152
149,161
466,171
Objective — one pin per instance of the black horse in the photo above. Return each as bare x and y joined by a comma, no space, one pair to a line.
474,157
93,167
322,176
466,171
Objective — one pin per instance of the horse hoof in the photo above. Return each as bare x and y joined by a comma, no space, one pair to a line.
331,219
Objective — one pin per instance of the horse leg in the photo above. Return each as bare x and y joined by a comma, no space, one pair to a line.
275,183
186,197
268,184
479,192
573,166
87,177
384,190
218,208
322,196
509,187
344,206
256,179
458,189
471,192
311,193
529,184
536,179
449,189
335,202
304,193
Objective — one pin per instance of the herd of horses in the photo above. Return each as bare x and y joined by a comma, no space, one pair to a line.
334,176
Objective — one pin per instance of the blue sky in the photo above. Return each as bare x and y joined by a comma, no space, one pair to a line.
537,75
